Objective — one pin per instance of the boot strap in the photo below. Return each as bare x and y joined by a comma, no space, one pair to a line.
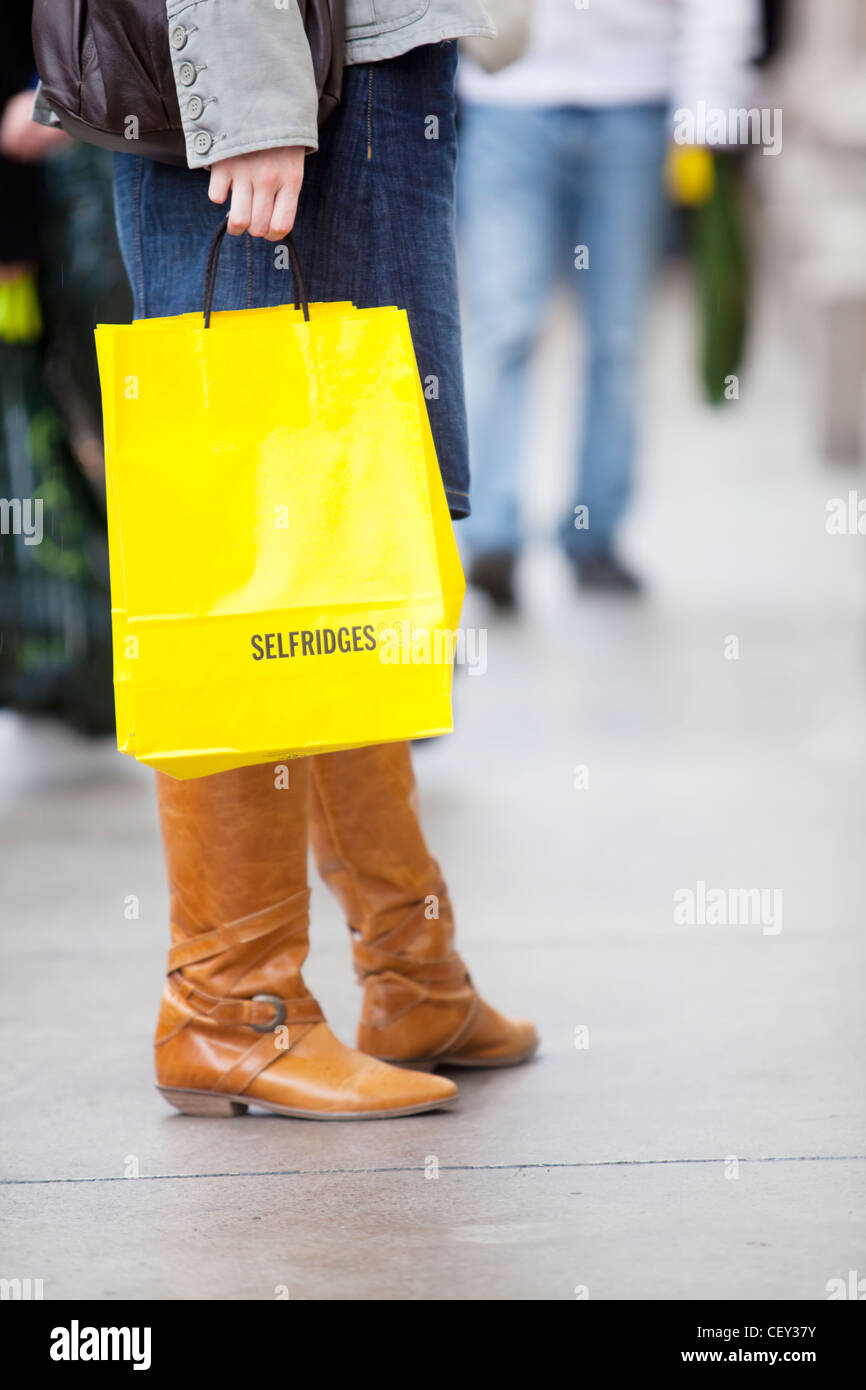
467,995
454,1043
264,1013
285,917
449,974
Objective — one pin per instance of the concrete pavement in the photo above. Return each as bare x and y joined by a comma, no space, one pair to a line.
693,1126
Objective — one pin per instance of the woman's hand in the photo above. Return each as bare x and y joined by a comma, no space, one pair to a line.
264,186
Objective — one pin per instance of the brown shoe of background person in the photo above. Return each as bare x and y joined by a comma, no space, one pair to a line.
237,1026
420,1006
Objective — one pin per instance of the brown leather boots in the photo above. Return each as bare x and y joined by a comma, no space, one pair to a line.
238,1026
420,1006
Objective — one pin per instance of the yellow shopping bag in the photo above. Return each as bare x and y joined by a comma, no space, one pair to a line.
284,573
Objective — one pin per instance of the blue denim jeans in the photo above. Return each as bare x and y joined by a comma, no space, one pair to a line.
534,185
375,225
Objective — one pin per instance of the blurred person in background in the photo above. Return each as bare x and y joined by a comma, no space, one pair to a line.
561,174
59,267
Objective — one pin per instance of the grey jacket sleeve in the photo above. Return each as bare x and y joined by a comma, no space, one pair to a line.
244,77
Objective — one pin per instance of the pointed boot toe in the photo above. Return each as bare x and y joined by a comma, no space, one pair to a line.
321,1078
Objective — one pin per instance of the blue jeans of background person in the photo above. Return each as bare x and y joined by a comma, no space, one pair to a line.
532,186
375,225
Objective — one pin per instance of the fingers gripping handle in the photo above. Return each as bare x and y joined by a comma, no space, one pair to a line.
213,256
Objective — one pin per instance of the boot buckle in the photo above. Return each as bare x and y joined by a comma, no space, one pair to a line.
279,1017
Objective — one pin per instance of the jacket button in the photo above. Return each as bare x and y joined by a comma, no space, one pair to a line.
179,36
202,142
186,73
194,108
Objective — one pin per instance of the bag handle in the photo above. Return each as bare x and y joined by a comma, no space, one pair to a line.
213,256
